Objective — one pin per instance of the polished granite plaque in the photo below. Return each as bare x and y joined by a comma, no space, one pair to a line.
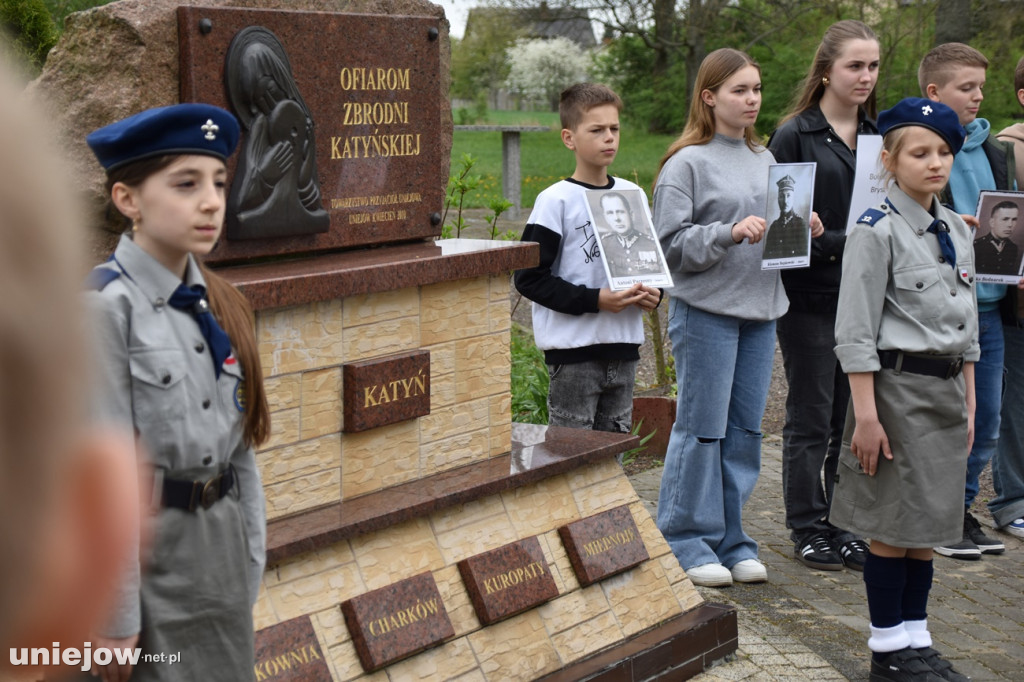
360,100
385,390
603,544
290,651
508,580
397,621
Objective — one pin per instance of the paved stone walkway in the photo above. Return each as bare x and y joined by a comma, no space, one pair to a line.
813,625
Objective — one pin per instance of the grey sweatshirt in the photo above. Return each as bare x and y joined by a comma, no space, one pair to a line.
701,192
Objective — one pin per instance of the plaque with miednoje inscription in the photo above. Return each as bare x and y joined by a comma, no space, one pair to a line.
397,621
603,545
342,125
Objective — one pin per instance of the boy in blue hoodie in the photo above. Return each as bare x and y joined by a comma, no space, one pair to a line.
954,74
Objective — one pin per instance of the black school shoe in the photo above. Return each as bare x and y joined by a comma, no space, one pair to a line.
854,553
987,545
905,665
816,551
941,666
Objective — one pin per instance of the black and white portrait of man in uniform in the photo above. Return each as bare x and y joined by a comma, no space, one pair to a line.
787,235
996,253
625,245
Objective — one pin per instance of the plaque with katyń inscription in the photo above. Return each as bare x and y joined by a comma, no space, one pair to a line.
346,107
290,651
603,544
385,390
397,621
508,580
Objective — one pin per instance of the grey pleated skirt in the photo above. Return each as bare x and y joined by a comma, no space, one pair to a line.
917,498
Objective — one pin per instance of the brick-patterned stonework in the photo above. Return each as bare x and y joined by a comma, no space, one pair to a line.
580,622
465,328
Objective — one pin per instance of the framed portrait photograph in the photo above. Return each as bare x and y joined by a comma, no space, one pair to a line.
998,240
630,250
787,242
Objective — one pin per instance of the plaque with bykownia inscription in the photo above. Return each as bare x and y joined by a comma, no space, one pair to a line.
342,119
508,580
290,651
385,390
603,544
397,621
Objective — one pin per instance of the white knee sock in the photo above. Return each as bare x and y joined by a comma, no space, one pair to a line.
884,640
918,632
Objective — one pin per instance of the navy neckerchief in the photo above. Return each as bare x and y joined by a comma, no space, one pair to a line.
193,300
941,232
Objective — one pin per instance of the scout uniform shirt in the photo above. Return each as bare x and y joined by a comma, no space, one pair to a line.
929,307
157,376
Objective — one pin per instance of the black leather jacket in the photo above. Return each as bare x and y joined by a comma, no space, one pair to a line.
802,139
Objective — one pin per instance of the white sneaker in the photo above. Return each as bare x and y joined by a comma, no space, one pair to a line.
749,571
710,575
1015,528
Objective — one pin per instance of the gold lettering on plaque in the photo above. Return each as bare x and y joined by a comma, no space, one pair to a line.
399,389
622,537
403,617
517,575
271,668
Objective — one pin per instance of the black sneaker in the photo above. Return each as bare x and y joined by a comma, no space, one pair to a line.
816,551
854,553
965,549
905,665
987,545
941,666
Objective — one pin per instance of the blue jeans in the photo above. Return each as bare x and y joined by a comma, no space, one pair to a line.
594,395
723,369
988,392
815,416
1008,464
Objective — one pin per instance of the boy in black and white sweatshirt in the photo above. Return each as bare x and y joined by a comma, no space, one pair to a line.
590,335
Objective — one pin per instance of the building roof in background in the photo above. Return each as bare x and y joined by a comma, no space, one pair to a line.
539,22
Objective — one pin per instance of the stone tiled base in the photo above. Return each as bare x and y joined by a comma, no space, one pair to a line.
547,483
676,650
538,453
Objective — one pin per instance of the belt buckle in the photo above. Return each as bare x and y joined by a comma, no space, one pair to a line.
955,368
211,492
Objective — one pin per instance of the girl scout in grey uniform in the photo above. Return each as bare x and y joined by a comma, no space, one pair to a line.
907,337
190,385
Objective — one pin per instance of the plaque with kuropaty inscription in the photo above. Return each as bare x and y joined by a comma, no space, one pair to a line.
397,621
603,544
385,390
290,651
508,580
370,93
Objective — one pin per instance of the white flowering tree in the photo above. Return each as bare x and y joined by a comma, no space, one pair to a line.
539,69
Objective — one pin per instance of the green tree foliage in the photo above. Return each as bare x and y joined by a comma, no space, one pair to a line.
31,30
653,47
478,60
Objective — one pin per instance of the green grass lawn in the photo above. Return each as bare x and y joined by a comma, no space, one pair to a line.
544,159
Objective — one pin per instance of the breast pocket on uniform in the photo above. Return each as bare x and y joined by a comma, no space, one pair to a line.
158,384
918,291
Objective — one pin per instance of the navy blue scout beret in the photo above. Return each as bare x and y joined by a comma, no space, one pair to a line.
177,129
916,111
